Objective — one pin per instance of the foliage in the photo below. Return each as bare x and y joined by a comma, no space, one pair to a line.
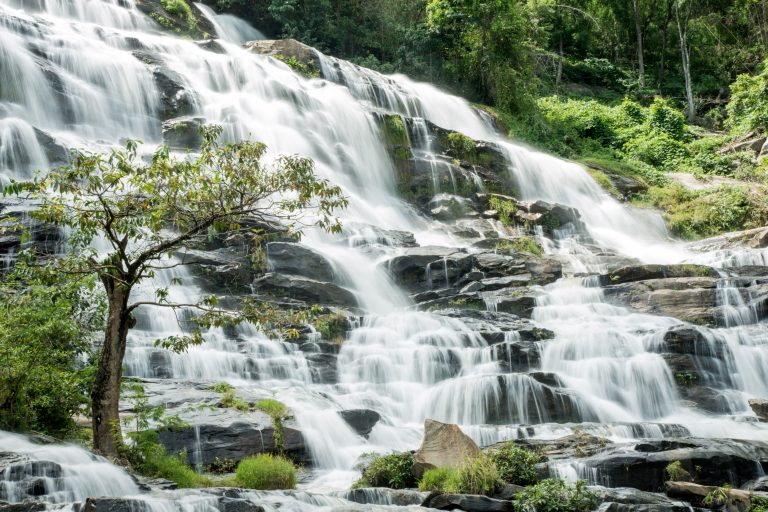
230,401
758,504
506,209
716,497
301,68
677,473
748,108
392,470
145,211
554,495
516,465
436,479
476,475
46,322
266,472
278,412
526,244
333,327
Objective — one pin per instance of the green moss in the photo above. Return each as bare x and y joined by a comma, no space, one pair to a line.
604,181
266,472
278,412
306,70
677,473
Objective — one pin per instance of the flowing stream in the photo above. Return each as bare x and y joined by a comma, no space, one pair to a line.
79,73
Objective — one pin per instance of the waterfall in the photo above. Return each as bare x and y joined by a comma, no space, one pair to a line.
90,73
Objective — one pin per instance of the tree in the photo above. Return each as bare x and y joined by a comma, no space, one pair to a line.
682,17
144,211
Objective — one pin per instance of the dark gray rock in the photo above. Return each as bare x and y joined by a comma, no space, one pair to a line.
425,268
468,503
304,289
386,496
362,421
115,505
183,132
24,506
235,442
298,259
645,272
760,407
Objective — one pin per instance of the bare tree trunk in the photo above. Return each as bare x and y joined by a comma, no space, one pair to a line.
639,34
682,30
105,394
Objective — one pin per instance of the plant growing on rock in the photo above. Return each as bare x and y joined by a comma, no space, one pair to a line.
436,479
677,473
554,495
278,412
758,504
144,212
393,471
266,472
476,475
333,327
717,496
516,465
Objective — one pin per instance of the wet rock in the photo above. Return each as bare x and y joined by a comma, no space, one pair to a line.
385,496
362,421
287,48
450,207
115,505
425,268
498,327
759,484
300,260
198,27
206,442
304,289
225,271
55,153
516,356
691,299
520,398
626,499
176,100
711,461
468,503
183,132
517,301
760,407
212,45
24,506
443,445
645,272
751,238
323,367
573,446
737,500
227,504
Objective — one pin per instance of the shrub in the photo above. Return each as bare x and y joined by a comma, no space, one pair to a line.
663,119
222,387
716,497
505,208
393,470
554,495
476,475
435,479
527,244
677,473
333,327
659,150
516,465
758,504
229,400
748,107
278,412
159,464
266,472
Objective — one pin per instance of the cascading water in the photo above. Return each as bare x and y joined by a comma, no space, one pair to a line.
85,73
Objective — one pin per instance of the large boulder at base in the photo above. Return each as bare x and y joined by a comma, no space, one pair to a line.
444,445
303,289
287,48
468,503
712,461
760,407
300,260
362,421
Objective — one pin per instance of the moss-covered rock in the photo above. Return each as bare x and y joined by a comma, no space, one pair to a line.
179,16
300,57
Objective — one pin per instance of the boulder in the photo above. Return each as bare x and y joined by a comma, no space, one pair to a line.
182,133
573,446
517,301
362,421
287,48
24,506
204,443
550,216
386,496
760,407
737,500
304,289
635,273
426,268
444,445
94,504
300,260
468,503
626,499
55,153
176,100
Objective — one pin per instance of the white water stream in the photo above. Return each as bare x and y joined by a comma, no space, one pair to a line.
76,70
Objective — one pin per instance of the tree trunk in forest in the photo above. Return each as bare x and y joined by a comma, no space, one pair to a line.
639,34
559,77
664,39
105,394
682,30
